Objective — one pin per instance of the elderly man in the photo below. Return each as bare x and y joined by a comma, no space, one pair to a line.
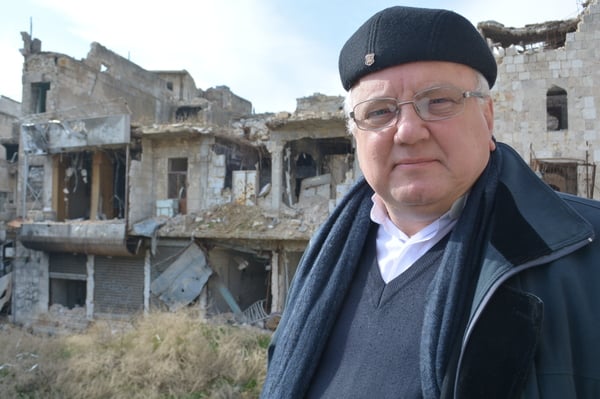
450,270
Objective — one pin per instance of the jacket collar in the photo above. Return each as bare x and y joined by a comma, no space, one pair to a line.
530,220
532,225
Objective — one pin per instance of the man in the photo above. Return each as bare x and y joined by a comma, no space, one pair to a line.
451,270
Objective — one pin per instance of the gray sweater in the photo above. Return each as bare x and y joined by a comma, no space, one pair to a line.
377,331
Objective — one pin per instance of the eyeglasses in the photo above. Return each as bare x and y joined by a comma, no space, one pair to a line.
433,104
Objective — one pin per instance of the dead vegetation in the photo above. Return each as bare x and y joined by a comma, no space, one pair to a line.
163,355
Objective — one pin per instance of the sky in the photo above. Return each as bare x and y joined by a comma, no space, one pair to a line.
269,52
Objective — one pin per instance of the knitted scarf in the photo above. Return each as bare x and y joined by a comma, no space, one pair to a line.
451,291
326,271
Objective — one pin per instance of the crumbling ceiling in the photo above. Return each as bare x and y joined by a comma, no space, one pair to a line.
552,33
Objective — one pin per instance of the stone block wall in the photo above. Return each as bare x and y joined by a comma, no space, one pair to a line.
102,76
141,187
520,95
10,110
30,289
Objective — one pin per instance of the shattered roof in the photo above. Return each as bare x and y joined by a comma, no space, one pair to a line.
552,33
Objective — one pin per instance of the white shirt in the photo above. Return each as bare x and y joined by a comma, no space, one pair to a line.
396,251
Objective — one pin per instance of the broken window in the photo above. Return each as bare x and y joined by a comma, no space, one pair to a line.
556,109
68,293
561,176
187,113
68,280
76,178
12,152
305,167
569,175
316,167
39,92
177,178
90,185
240,157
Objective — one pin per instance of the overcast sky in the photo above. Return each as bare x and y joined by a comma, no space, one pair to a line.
270,52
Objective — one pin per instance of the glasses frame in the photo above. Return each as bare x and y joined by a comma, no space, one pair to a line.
463,95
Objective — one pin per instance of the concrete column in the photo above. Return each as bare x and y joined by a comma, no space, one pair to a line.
43,281
90,284
147,282
275,288
276,150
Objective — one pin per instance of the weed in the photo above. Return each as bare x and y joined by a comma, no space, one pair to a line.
163,355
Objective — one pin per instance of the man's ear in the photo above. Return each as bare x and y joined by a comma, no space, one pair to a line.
492,144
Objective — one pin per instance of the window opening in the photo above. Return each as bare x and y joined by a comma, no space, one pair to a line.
185,113
177,179
305,167
67,292
75,195
39,93
561,176
90,185
556,109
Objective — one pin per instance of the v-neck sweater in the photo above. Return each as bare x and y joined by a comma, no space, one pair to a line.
373,349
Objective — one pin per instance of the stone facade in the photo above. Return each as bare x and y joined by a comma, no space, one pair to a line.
537,82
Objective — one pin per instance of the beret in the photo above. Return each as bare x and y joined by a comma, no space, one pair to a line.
399,35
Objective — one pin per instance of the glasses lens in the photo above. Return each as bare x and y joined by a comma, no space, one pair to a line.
375,113
439,103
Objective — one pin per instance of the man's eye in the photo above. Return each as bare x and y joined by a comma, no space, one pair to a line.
378,112
440,100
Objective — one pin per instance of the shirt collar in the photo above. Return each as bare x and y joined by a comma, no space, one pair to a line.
380,216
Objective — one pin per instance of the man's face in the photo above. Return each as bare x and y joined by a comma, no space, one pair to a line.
420,168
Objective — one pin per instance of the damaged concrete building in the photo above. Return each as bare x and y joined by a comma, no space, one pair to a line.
547,97
10,111
135,190
138,191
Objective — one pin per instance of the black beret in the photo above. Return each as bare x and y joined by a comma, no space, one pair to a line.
399,35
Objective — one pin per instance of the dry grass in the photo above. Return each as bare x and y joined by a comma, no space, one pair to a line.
163,355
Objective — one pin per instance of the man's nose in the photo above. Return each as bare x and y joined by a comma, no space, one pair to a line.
410,128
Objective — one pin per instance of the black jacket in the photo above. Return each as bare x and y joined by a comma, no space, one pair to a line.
534,330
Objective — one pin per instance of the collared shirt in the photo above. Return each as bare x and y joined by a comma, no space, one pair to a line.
396,251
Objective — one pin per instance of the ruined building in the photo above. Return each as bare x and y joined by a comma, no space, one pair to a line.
125,190
547,97
10,112
138,191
